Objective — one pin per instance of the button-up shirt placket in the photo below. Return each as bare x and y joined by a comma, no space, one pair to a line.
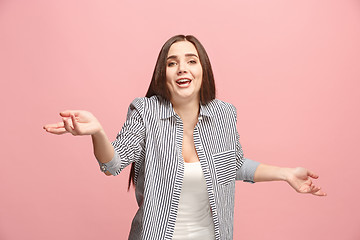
205,165
179,176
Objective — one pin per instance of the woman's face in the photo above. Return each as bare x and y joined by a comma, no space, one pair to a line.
183,72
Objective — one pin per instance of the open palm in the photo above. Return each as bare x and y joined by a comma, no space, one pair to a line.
300,180
76,122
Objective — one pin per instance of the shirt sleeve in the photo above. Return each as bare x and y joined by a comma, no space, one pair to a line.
247,170
129,144
245,167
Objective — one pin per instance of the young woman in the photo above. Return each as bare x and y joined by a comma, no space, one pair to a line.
184,149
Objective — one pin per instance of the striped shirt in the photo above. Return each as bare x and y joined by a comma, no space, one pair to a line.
152,139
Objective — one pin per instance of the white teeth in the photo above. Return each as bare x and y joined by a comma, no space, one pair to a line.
183,81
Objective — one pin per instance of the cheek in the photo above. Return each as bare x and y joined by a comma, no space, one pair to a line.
200,73
168,75
200,76
168,80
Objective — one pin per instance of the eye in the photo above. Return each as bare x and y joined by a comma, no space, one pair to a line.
192,61
170,64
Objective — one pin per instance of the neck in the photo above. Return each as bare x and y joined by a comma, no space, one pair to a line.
188,111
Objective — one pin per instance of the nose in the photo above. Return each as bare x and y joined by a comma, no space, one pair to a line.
182,68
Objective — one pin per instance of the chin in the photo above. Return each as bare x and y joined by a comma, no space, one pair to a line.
186,97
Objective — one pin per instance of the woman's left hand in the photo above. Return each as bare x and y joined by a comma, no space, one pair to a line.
300,179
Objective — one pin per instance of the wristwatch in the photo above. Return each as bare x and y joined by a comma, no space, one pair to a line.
103,167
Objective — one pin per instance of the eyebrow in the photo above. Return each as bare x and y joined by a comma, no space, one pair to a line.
186,55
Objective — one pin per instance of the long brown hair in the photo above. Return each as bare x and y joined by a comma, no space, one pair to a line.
158,81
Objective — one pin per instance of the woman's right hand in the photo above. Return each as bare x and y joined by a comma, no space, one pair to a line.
75,122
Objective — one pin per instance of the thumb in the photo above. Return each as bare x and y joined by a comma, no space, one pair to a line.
312,174
68,113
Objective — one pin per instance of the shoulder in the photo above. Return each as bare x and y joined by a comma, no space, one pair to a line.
147,104
223,104
219,106
149,101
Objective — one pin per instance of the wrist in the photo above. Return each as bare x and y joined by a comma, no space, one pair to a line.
285,174
98,133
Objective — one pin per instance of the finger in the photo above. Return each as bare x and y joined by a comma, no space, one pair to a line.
315,189
306,186
68,113
68,127
57,131
312,174
74,121
311,188
75,124
54,125
320,193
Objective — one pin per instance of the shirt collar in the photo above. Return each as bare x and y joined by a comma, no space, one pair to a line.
167,110
207,110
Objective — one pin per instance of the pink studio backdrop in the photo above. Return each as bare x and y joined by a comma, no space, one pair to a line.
292,69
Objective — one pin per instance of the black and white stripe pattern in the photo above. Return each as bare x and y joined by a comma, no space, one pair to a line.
152,138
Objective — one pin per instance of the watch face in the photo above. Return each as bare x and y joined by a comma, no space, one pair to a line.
103,168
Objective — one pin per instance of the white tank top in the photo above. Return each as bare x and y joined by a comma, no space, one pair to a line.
194,220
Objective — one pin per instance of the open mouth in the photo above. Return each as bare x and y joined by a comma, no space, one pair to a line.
183,82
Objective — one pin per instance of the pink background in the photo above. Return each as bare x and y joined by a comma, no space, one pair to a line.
292,69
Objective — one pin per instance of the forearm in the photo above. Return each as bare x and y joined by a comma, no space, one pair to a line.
298,178
103,150
270,173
